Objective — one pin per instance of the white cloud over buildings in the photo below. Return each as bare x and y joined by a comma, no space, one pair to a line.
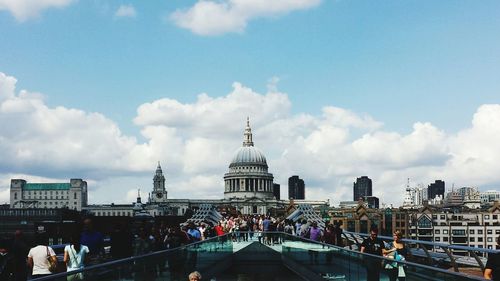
218,17
24,10
196,141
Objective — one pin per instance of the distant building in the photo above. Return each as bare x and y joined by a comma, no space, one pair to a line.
72,195
372,201
489,196
436,188
471,197
473,228
159,194
453,198
362,187
296,188
276,191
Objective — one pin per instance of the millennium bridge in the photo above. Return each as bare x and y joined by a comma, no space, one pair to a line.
282,256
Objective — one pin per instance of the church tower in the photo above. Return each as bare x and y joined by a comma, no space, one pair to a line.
159,194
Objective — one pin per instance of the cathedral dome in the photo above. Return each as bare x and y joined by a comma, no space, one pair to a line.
248,155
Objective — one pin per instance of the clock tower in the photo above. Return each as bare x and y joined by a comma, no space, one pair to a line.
159,194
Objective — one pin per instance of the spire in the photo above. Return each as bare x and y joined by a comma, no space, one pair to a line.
158,169
138,195
247,141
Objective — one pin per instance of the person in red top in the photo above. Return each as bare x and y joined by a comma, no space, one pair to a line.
219,230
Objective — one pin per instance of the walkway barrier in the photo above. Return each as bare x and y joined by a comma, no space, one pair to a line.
470,260
302,258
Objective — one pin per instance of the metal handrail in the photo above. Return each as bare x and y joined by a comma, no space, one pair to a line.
450,246
228,236
445,247
127,260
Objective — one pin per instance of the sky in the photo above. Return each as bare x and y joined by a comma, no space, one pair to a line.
335,90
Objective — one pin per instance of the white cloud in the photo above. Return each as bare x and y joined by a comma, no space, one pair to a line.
195,143
126,11
23,10
218,17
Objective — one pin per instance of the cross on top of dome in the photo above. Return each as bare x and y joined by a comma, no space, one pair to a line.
247,140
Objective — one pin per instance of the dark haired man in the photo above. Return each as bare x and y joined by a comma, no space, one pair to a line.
372,245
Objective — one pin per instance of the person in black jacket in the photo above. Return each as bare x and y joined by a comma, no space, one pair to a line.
6,262
492,268
372,245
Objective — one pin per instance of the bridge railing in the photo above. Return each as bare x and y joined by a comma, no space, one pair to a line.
350,264
171,264
304,256
435,254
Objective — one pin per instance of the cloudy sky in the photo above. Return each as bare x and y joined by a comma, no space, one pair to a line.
102,90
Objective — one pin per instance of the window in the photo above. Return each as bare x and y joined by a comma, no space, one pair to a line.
489,239
437,239
486,217
424,222
445,231
445,239
437,231
434,217
442,217
489,231
479,231
497,231
472,239
74,195
15,195
471,231
480,239
458,232
495,217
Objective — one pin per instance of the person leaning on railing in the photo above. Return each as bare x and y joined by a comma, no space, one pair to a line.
492,268
397,251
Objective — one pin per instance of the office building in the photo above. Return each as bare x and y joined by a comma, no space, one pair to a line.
362,188
436,188
296,188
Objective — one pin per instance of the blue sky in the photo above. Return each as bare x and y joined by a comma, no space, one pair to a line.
399,62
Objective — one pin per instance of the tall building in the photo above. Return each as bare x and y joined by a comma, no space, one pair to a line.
436,188
72,195
296,188
276,191
248,176
159,194
362,188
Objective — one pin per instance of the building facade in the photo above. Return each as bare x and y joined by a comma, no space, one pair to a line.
473,228
248,175
296,188
72,195
435,189
362,187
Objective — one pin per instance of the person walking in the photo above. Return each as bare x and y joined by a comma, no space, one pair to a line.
40,257
94,240
372,245
75,257
19,251
492,268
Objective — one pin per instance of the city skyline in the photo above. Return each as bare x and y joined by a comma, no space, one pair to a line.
102,90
